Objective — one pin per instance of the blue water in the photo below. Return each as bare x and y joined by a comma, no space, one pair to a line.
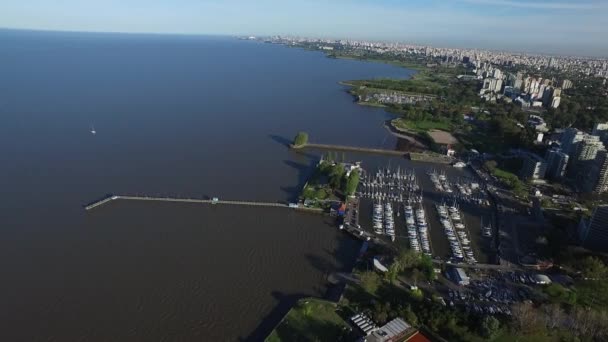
181,115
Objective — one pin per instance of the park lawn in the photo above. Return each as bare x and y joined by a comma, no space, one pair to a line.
412,86
421,126
404,64
508,337
310,320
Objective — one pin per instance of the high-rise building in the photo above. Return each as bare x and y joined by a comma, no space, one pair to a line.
534,168
570,137
497,73
557,92
555,102
566,84
594,233
517,84
601,130
553,63
596,180
498,86
556,163
587,149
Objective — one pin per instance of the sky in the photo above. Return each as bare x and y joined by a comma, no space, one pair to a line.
543,26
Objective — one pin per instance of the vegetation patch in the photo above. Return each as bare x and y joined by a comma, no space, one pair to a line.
311,320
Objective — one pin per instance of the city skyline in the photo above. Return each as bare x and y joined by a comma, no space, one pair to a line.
565,28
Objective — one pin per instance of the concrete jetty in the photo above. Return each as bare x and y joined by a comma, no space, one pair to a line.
352,149
214,201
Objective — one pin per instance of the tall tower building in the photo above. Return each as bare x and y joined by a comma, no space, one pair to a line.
566,84
588,148
594,233
601,130
597,175
534,168
556,163
570,137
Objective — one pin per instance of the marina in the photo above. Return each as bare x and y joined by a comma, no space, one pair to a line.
441,215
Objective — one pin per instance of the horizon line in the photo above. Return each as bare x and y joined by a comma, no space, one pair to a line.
603,57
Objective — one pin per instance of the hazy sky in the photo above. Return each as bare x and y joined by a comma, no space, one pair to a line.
570,27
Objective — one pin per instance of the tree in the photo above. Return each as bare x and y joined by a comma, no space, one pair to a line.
393,272
426,266
416,275
490,165
301,139
408,258
592,267
352,182
489,327
370,281
336,176
526,319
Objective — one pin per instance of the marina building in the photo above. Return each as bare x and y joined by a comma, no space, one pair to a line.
594,232
393,331
458,276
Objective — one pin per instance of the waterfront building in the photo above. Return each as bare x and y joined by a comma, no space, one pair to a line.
557,161
393,331
458,276
534,167
593,233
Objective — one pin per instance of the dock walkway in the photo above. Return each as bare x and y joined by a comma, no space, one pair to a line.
197,201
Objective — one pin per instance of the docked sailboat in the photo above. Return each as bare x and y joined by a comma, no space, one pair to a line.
389,221
377,218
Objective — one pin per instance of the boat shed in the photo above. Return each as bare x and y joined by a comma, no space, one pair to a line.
459,276
393,331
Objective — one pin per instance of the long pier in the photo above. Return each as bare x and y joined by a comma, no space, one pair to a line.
112,198
353,149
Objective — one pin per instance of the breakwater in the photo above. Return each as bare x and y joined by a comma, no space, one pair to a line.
352,149
213,201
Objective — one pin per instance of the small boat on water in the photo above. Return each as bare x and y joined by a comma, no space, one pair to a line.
93,131
459,164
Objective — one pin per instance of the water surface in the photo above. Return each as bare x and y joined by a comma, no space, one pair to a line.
179,115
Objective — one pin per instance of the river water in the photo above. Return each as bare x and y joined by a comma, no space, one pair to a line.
174,115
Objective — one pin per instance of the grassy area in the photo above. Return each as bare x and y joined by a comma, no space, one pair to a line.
421,85
310,320
592,293
508,337
420,126
404,64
